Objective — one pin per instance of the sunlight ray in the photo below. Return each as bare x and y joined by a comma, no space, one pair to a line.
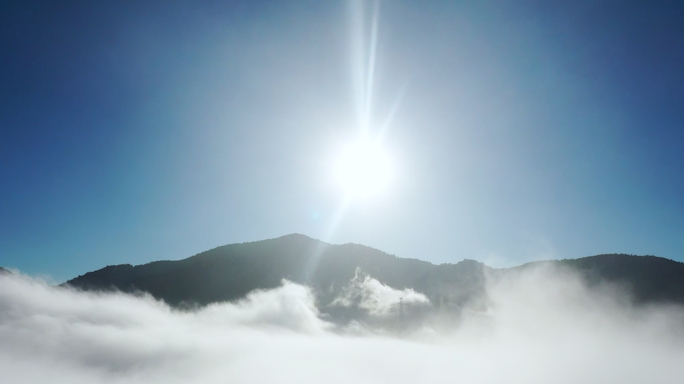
370,69
390,116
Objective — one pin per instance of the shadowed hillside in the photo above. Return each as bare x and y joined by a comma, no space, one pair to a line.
648,279
348,271
230,272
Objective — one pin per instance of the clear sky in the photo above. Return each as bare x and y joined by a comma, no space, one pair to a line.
517,130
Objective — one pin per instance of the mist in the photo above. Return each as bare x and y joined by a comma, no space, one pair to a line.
540,325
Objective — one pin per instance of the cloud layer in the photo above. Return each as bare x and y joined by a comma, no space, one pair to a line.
540,326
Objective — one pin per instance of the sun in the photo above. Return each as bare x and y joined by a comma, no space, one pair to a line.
363,168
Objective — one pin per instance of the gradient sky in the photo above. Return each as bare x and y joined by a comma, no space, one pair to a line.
522,130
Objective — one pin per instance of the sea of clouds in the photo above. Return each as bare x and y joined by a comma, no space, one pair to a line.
540,326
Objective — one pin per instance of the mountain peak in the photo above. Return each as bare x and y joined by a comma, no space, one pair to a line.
296,237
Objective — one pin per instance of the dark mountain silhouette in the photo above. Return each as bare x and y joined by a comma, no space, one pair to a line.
3,271
648,279
230,272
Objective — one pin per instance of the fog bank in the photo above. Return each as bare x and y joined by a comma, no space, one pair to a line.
539,326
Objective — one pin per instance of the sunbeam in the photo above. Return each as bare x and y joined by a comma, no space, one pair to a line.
363,168
370,70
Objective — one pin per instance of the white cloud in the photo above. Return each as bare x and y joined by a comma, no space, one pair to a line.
542,326
377,298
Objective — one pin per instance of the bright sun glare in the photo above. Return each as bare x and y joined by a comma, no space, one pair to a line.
363,168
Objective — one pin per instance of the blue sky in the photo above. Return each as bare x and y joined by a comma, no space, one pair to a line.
522,130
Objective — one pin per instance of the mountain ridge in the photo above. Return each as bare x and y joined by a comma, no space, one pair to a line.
230,272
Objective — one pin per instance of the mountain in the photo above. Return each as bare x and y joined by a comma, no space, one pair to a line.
230,272
649,279
3,271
